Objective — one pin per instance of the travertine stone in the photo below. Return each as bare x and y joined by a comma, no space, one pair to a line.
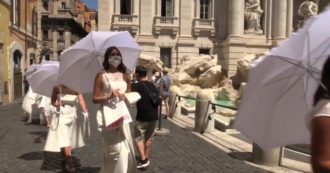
210,78
236,18
280,14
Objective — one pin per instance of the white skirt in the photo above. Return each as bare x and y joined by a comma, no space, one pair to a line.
64,131
117,151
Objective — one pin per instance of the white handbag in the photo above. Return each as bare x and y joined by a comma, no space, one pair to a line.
112,117
132,97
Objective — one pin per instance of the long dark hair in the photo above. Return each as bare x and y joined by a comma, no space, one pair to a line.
323,91
106,65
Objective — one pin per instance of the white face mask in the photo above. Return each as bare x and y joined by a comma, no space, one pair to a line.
114,61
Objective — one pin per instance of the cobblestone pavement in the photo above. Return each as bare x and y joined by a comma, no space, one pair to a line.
178,152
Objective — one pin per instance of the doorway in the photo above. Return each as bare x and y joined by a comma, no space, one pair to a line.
17,57
166,56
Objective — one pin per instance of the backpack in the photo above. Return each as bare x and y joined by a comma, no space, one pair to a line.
154,97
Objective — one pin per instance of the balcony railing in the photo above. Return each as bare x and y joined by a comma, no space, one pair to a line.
200,25
67,13
168,23
125,21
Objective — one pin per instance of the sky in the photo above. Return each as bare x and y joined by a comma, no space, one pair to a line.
90,3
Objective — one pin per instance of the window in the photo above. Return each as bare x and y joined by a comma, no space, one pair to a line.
34,22
16,12
63,5
125,7
45,34
17,59
166,8
204,51
60,35
204,9
32,58
45,4
165,56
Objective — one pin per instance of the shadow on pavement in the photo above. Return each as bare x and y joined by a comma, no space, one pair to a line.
244,156
53,161
40,136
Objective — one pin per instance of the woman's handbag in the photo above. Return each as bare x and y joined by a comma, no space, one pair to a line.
113,117
132,97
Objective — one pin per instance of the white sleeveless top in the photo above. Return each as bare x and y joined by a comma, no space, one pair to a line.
322,108
114,81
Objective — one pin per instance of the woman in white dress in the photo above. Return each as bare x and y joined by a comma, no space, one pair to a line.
64,132
30,105
44,106
319,122
109,88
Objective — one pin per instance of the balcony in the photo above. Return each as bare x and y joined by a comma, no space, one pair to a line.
166,23
125,22
47,43
203,25
61,13
60,45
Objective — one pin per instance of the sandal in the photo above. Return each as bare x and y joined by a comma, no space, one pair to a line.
69,169
69,165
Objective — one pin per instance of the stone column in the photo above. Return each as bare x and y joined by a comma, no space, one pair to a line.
1,72
280,15
176,8
55,35
202,111
270,157
289,18
67,38
117,6
197,8
158,7
236,18
135,4
212,9
268,19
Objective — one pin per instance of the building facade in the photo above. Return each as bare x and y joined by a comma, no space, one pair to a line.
60,28
86,17
4,52
18,45
172,29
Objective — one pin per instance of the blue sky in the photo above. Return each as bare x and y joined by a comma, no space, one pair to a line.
90,3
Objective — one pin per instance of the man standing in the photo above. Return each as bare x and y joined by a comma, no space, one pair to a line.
165,83
146,117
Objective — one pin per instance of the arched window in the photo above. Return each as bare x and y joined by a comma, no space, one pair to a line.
17,56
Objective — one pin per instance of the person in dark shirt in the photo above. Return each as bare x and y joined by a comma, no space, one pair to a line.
147,115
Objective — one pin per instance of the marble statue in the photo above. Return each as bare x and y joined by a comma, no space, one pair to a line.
252,16
306,9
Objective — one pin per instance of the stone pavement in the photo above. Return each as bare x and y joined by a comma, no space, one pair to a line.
181,151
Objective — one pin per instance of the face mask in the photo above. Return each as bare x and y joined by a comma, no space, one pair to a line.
114,61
